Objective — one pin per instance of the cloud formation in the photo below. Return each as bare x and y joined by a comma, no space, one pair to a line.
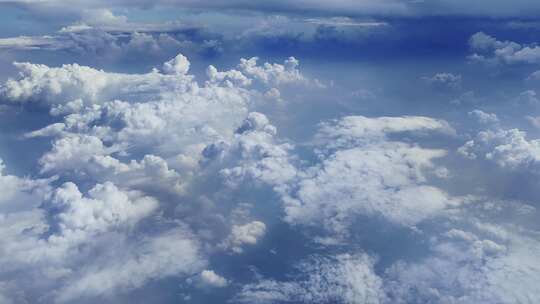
241,177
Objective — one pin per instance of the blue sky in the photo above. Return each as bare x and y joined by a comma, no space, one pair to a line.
308,151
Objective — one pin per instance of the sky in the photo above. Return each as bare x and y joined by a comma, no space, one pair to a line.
306,151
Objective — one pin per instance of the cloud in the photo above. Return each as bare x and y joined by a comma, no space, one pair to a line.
528,97
177,65
105,207
492,51
247,234
534,76
161,184
444,81
172,253
30,43
486,264
47,232
58,86
255,154
534,120
363,172
101,34
208,278
126,148
507,148
483,117
344,278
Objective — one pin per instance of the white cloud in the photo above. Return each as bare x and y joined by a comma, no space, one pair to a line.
483,117
363,173
469,267
57,86
138,141
358,130
254,154
273,74
508,148
246,234
211,279
105,208
492,51
178,65
53,253
168,161
172,253
336,279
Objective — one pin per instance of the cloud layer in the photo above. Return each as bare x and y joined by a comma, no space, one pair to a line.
393,159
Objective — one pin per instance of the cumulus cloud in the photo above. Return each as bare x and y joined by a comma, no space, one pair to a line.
365,173
483,117
177,65
507,148
208,278
247,234
155,177
126,138
47,232
172,253
255,154
484,264
488,49
58,86
105,207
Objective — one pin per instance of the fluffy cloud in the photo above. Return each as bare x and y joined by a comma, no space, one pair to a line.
272,74
47,233
363,172
172,253
58,86
254,154
178,65
247,234
211,279
492,51
127,137
485,263
105,207
157,176
483,117
336,279
508,148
